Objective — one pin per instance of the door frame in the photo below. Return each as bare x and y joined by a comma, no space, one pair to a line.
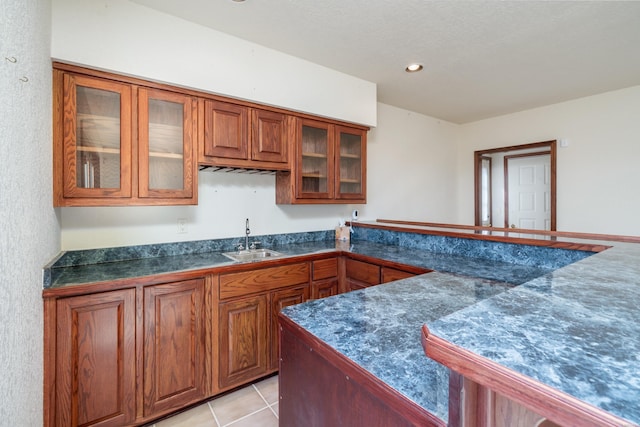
548,145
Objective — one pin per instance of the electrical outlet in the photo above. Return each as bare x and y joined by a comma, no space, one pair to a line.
182,226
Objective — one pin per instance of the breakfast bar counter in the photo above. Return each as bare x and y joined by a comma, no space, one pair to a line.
569,340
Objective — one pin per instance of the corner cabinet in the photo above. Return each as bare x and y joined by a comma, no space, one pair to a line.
329,164
119,143
238,136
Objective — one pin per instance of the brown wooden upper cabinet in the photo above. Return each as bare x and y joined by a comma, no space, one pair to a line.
329,164
238,136
119,143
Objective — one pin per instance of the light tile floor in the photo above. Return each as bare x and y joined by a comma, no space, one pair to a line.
255,405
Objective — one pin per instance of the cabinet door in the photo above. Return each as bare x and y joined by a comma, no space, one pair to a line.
166,137
268,136
315,160
174,336
350,165
324,288
243,340
95,359
279,300
226,130
94,159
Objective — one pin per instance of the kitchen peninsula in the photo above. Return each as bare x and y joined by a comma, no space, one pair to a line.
564,345
376,330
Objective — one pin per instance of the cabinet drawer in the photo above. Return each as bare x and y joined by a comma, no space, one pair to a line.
325,268
264,279
363,272
390,274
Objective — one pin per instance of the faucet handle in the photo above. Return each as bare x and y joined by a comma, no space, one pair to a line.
254,244
240,247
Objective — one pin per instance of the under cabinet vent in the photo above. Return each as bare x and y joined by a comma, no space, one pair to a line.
235,170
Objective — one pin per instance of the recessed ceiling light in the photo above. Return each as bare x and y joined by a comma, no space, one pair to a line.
412,68
238,1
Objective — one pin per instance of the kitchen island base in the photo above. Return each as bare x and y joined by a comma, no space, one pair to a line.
321,387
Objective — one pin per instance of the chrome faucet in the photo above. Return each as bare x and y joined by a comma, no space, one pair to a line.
247,231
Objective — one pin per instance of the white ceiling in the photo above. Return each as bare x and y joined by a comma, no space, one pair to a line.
481,58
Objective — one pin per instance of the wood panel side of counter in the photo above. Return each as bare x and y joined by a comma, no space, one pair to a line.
321,387
550,403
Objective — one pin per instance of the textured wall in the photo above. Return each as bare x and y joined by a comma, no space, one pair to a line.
29,236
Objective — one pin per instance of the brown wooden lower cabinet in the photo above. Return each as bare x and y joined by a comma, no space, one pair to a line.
130,355
174,346
361,274
243,340
250,302
325,278
96,359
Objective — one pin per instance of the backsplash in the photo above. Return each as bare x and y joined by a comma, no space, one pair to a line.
514,253
127,253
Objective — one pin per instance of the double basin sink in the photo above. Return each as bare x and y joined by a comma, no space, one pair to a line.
252,255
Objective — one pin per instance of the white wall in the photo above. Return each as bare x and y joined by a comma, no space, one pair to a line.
128,38
411,167
29,236
598,174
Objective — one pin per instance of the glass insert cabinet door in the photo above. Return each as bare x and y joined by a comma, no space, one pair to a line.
316,154
350,169
165,132
97,138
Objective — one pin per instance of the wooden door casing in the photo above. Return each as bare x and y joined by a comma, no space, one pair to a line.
95,359
174,345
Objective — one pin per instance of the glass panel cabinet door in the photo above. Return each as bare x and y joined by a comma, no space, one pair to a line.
97,138
315,159
165,135
350,165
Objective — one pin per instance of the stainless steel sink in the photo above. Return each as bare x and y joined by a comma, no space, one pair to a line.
252,255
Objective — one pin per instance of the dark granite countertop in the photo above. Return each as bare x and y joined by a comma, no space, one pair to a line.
575,328
379,329
102,268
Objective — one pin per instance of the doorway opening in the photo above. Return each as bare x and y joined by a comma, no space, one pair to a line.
515,186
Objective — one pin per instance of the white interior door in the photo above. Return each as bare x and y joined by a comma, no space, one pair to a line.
529,190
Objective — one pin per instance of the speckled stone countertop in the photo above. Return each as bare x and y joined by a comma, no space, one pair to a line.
576,329
379,329
501,262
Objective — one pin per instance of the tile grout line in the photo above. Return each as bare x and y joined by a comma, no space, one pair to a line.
215,418
265,401
245,416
